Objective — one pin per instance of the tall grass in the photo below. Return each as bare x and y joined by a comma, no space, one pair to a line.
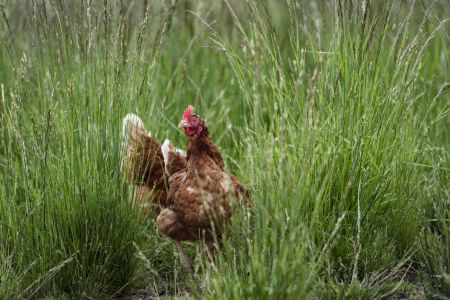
333,113
66,221
338,131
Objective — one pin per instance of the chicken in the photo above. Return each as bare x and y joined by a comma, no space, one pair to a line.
195,190
202,194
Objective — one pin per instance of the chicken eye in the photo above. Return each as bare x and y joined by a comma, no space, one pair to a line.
194,121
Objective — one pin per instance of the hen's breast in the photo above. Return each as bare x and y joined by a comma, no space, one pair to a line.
202,195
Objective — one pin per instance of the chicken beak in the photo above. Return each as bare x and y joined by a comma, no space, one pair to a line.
182,124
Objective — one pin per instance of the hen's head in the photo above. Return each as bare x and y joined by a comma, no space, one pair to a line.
191,123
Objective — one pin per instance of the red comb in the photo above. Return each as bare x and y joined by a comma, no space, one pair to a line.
188,112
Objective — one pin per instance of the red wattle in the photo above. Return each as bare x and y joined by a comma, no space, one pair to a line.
189,131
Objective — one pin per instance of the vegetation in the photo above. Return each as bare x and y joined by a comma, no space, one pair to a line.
335,113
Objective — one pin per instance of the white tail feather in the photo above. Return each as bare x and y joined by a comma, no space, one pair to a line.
165,149
129,123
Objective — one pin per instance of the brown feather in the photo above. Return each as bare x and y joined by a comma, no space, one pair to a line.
176,162
145,163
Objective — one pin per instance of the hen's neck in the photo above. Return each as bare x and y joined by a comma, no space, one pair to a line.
201,146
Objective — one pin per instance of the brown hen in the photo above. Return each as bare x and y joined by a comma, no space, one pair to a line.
202,194
195,189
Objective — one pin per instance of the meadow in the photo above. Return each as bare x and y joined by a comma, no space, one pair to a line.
335,113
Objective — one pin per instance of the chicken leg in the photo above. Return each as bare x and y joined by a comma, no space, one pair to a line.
184,260
168,223
211,250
